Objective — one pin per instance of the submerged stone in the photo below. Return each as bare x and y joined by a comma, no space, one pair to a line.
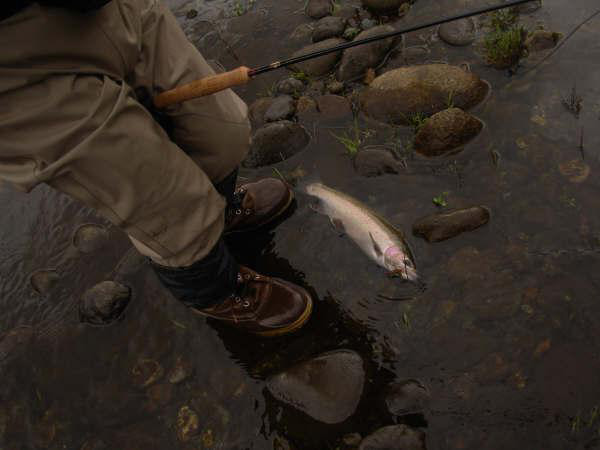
399,94
328,27
327,388
180,371
394,437
322,65
188,424
407,397
318,8
446,131
441,226
375,162
146,372
42,281
541,40
575,170
384,6
90,237
333,106
276,142
356,60
104,303
458,32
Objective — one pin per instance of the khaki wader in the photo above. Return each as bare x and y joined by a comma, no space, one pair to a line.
69,117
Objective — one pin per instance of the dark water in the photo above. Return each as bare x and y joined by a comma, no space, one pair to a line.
506,335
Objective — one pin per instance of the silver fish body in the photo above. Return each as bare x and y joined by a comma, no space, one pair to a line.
376,237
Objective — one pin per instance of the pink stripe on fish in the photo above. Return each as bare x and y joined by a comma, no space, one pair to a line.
392,251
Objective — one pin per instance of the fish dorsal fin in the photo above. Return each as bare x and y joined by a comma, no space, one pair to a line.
376,247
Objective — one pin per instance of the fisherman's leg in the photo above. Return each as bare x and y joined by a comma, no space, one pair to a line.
214,130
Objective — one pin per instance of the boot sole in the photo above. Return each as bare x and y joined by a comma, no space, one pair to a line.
295,326
283,209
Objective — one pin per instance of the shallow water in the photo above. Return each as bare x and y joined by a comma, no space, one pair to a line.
505,336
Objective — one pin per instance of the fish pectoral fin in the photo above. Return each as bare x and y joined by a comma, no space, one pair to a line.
316,206
376,247
338,225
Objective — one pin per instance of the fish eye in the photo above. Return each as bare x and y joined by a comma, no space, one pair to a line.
408,263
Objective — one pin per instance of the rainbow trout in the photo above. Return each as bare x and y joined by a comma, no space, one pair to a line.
383,243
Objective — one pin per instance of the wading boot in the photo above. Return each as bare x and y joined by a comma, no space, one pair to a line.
254,205
262,305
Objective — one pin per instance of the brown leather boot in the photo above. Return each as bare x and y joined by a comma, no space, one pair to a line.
257,204
263,305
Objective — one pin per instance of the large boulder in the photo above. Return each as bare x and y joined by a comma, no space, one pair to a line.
275,142
323,64
327,388
356,60
399,94
445,131
384,6
394,437
438,227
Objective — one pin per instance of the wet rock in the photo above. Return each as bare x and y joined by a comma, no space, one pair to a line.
322,65
394,437
318,8
438,227
316,88
407,397
333,106
90,237
290,86
327,388
540,40
302,32
376,162
42,281
275,142
306,104
188,424
328,27
399,94
14,340
351,32
335,87
104,303
146,372
180,371
459,32
383,6
367,24
282,107
445,131
575,170
356,60
352,439
257,110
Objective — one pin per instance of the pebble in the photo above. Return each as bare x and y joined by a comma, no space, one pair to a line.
394,437
407,397
317,9
442,226
276,142
458,32
42,281
290,86
328,27
282,107
104,303
90,237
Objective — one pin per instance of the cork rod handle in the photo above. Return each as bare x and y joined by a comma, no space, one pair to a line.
202,87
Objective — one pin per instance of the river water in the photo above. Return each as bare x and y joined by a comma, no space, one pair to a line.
505,336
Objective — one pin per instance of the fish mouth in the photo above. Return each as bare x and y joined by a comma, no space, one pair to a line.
407,273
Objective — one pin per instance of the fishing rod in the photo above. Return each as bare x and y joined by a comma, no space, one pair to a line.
242,75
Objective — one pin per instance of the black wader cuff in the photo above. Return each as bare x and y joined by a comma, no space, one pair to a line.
204,283
226,187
